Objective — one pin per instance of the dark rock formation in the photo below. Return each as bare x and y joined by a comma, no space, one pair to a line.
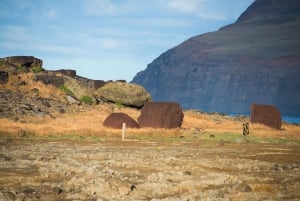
66,72
256,59
161,115
24,61
15,103
268,115
124,93
88,83
3,77
7,67
50,79
115,120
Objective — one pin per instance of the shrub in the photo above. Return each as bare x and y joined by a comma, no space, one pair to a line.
66,90
119,104
20,68
35,91
86,99
37,69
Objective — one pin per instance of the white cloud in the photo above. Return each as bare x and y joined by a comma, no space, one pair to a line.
101,8
14,33
51,14
107,43
199,8
183,5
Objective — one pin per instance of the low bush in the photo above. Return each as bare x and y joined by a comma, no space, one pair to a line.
86,99
119,104
66,90
37,69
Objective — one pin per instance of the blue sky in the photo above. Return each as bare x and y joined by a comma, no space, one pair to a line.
107,39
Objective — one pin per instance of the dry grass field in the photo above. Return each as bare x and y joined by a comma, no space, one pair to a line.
86,121
88,124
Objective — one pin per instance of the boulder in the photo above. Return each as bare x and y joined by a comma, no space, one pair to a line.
3,77
115,120
268,115
124,93
161,115
72,100
25,61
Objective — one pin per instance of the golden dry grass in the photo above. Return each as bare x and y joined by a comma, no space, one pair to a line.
89,123
45,91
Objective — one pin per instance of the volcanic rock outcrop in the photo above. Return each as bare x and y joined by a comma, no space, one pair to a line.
24,61
161,115
254,60
28,89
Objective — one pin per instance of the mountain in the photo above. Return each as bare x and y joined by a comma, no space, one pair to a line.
254,60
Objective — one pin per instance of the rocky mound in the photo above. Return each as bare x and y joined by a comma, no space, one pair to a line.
22,63
28,89
255,60
14,104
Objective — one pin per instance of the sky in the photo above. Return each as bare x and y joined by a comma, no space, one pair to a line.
107,39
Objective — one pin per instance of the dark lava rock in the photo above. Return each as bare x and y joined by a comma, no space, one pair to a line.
115,120
66,72
161,115
24,61
268,115
14,103
3,77
50,79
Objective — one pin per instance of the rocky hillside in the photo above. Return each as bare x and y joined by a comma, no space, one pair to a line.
254,60
26,88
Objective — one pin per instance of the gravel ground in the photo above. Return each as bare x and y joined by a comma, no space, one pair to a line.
139,170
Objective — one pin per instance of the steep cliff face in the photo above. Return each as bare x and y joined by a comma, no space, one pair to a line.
254,60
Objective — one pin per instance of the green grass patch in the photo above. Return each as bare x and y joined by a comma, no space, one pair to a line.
37,69
157,136
20,68
70,137
86,99
238,138
66,90
119,104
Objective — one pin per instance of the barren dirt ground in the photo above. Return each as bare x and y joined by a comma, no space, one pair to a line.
144,170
